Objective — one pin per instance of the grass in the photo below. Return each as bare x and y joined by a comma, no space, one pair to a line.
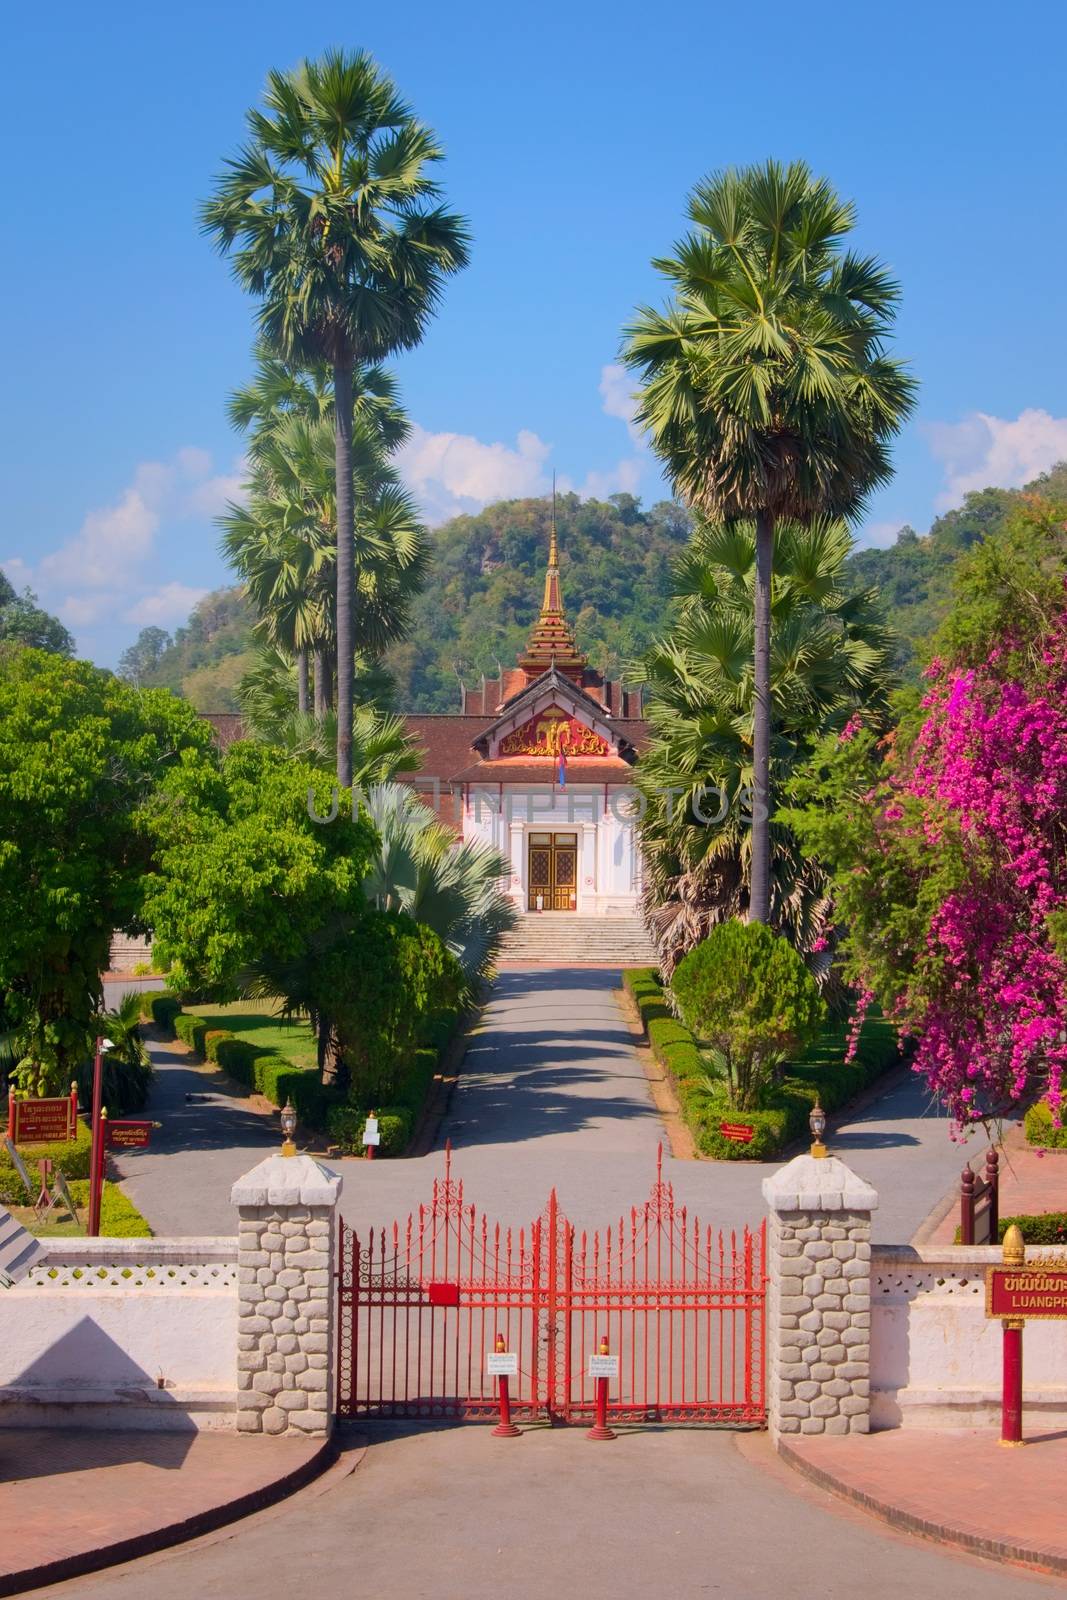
258,1022
119,1217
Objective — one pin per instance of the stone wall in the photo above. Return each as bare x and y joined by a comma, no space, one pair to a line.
819,1306
286,1209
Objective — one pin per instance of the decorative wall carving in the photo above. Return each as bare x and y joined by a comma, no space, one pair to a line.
551,731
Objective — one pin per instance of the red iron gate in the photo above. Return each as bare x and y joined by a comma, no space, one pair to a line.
420,1305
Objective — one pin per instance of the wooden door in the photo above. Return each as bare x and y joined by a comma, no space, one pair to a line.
553,872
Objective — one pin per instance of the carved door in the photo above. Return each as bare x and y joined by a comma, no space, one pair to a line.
553,872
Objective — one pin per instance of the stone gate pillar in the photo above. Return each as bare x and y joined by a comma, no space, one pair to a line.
285,1253
819,1305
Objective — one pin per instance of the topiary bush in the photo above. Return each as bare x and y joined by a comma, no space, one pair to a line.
238,1057
160,1007
193,1031
746,991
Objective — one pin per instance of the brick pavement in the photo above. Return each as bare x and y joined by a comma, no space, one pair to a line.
962,1488
72,1501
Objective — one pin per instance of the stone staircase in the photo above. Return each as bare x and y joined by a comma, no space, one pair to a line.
562,939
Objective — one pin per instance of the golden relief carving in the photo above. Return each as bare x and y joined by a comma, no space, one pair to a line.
548,734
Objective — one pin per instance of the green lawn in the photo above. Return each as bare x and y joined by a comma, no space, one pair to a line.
258,1022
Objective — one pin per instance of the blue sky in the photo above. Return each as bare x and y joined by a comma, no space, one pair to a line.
573,134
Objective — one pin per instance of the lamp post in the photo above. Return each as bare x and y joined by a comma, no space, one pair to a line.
96,1160
288,1121
817,1124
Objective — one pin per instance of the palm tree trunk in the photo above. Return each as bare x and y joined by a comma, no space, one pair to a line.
342,394
302,681
322,669
759,893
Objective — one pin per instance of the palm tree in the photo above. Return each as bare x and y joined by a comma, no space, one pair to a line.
830,657
333,210
766,388
452,887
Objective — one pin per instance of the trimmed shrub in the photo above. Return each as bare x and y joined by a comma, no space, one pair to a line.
280,1082
782,1120
1046,1227
237,1057
1041,1130
70,1159
161,1007
346,1126
119,1217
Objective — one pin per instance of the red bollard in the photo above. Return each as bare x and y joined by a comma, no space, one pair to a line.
600,1429
505,1428
1011,1408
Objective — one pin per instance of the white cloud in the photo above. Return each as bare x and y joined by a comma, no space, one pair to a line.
454,472
103,571
877,535
623,478
619,398
166,606
984,451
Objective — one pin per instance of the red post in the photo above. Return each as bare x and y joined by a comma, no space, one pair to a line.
967,1206
1011,1406
505,1428
74,1110
600,1429
96,1160
11,1115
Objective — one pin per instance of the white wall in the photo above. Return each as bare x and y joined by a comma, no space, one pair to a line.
133,1333
608,857
936,1357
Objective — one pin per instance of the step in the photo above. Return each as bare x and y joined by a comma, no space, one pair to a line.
563,939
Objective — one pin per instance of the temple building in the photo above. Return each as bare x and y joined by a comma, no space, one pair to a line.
538,762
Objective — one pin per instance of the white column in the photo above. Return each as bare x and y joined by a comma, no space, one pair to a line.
517,855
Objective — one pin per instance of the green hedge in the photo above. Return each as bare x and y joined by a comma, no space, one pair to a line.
1041,1130
1048,1227
119,1217
282,1083
71,1159
161,1007
822,1074
346,1125
238,1057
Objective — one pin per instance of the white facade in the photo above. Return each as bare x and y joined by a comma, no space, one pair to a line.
510,818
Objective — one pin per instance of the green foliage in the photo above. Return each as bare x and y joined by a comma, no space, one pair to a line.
822,1073
192,1031
71,1159
81,757
748,993
246,877
829,658
161,1007
1043,1227
119,1217
1042,1130
238,1058
23,623
282,1083
126,1070
206,659
346,1125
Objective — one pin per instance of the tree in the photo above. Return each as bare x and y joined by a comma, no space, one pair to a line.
81,755
749,995
332,206
22,622
420,868
139,658
830,658
766,389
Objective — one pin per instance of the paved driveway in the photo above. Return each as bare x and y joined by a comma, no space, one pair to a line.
454,1514
552,1094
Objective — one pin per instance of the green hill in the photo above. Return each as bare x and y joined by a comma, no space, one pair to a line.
485,589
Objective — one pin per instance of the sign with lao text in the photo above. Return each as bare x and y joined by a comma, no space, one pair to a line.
502,1364
370,1131
603,1366
129,1135
42,1121
736,1130
1032,1291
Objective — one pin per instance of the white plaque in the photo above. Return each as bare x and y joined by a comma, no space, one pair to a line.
502,1363
370,1131
603,1366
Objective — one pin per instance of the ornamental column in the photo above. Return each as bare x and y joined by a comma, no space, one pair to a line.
286,1209
819,1303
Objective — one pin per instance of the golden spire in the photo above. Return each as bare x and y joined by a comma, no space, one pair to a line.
551,641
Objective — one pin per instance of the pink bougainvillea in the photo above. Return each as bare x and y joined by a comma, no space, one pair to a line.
986,779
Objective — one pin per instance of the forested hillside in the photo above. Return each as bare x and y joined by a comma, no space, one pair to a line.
486,583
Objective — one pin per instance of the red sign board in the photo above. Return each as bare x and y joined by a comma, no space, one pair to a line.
42,1121
736,1130
129,1135
443,1294
1032,1291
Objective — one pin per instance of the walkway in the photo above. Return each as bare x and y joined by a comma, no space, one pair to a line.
552,1093
455,1514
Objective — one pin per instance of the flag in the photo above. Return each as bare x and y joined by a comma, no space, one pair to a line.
562,769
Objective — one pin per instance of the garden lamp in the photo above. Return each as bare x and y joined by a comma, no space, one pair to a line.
817,1124
288,1120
